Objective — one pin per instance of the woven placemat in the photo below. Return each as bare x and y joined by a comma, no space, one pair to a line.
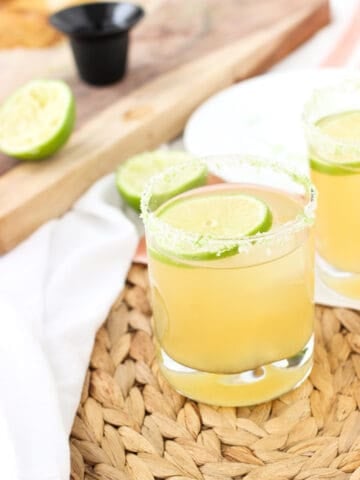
131,425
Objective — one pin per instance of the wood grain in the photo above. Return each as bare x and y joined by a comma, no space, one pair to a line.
153,103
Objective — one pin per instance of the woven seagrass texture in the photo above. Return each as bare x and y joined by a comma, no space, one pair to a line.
131,425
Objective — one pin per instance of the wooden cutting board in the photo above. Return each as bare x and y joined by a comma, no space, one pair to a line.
181,53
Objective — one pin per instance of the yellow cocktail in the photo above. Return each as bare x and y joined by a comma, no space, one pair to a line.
333,134
233,315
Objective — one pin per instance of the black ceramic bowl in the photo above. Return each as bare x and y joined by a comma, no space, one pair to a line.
99,37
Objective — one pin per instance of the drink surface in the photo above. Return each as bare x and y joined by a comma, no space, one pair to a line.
338,184
241,311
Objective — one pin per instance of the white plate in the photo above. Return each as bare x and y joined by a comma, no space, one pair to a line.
261,116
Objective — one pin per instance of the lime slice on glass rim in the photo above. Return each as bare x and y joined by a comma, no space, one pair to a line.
132,176
342,127
218,216
333,169
37,120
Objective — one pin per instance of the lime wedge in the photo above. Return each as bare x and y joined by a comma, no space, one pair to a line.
37,120
132,176
344,126
217,215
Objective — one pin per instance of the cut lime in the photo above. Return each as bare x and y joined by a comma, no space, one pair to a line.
37,120
333,169
132,176
220,216
342,127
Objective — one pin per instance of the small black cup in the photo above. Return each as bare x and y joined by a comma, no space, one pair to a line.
98,34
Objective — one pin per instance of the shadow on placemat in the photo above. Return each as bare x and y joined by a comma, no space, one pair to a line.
132,425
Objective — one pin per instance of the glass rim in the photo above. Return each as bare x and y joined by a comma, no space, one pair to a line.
303,220
318,94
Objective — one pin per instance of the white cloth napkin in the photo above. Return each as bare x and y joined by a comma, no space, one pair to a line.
55,291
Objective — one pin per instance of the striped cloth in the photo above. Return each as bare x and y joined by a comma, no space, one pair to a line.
346,51
337,45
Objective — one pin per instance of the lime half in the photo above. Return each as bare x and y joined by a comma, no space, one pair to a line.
217,215
132,176
37,120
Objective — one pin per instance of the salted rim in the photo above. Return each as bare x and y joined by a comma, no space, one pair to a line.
331,144
177,236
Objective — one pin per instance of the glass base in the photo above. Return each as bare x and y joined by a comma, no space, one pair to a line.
240,389
346,284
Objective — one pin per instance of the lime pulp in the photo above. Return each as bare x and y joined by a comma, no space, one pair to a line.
222,216
37,120
344,127
132,176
